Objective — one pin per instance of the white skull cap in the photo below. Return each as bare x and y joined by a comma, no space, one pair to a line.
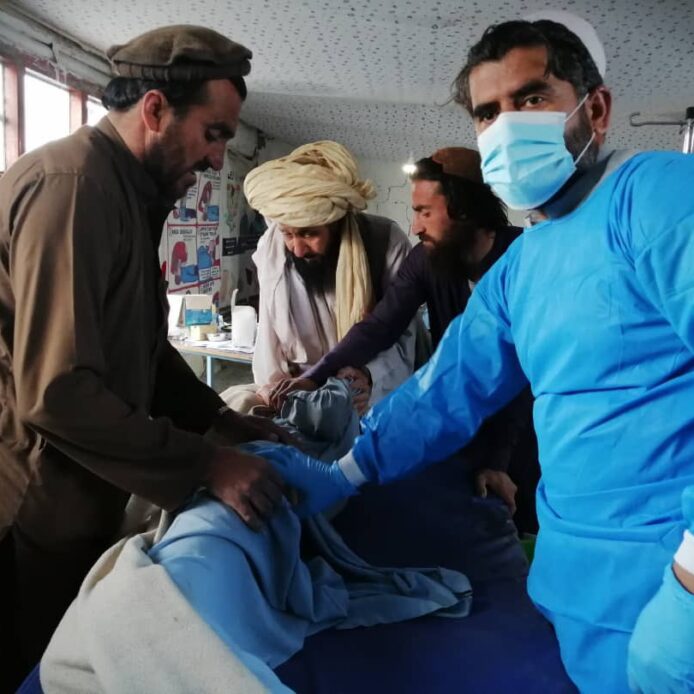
579,26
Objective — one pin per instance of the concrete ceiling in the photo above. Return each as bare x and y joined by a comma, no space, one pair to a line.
375,74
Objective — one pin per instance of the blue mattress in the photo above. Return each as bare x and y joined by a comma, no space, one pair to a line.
504,645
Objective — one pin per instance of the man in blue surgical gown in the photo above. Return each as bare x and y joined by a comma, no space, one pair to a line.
593,306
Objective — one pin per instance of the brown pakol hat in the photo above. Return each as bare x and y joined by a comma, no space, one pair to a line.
460,161
180,53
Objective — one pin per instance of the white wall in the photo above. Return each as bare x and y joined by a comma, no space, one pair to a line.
273,149
393,190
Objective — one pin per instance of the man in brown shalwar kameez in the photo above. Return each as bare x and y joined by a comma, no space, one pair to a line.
94,402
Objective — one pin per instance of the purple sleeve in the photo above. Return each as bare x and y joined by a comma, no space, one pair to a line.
501,434
383,326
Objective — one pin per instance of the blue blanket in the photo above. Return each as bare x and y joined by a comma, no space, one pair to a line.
255,591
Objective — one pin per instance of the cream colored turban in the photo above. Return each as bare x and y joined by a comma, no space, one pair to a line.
318,184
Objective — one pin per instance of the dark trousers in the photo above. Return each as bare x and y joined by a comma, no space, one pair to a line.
11,671
524,470
68,518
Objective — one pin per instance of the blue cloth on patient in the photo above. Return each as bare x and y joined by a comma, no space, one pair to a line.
256,593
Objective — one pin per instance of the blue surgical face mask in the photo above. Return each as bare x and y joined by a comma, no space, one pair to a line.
524,157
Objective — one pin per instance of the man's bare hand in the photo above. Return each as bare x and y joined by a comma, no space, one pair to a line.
247,484
360,385
500,484
281,389
232,428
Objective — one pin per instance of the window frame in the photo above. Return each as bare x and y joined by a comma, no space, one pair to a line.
15,64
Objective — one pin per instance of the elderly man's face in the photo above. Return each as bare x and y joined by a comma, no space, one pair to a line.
196,140
310,244
518,82
314,253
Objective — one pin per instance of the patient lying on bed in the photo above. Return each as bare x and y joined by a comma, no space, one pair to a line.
258,595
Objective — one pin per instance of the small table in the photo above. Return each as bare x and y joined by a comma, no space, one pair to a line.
210,353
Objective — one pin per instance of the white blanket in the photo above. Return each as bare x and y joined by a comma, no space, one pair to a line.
130,630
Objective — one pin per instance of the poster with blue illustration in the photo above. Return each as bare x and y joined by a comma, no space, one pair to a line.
209,256
208,190
210,234
182,257
184,210
190,251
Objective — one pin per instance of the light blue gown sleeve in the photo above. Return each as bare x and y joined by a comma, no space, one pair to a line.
473,373
654,218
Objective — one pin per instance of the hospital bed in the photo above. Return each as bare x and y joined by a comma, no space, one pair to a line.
504,645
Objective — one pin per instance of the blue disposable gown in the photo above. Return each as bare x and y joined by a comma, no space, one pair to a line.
596,310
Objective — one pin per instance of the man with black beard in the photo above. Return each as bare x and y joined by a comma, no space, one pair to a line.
323,264
317,270
463,229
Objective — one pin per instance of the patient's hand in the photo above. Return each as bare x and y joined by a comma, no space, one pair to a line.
264,393
280,390
360,385
500,484
248,484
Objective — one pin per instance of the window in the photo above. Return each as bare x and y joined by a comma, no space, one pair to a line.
95,111
2,116
46,110
36,108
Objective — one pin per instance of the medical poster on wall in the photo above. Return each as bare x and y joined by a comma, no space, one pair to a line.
182,260
210,288
211,233
185,209
208,203
190,249
234,195
209,253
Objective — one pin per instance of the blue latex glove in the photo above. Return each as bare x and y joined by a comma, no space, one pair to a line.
320,484
661,650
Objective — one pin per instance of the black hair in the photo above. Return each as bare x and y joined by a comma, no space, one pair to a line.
567,57
122,93
465,200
